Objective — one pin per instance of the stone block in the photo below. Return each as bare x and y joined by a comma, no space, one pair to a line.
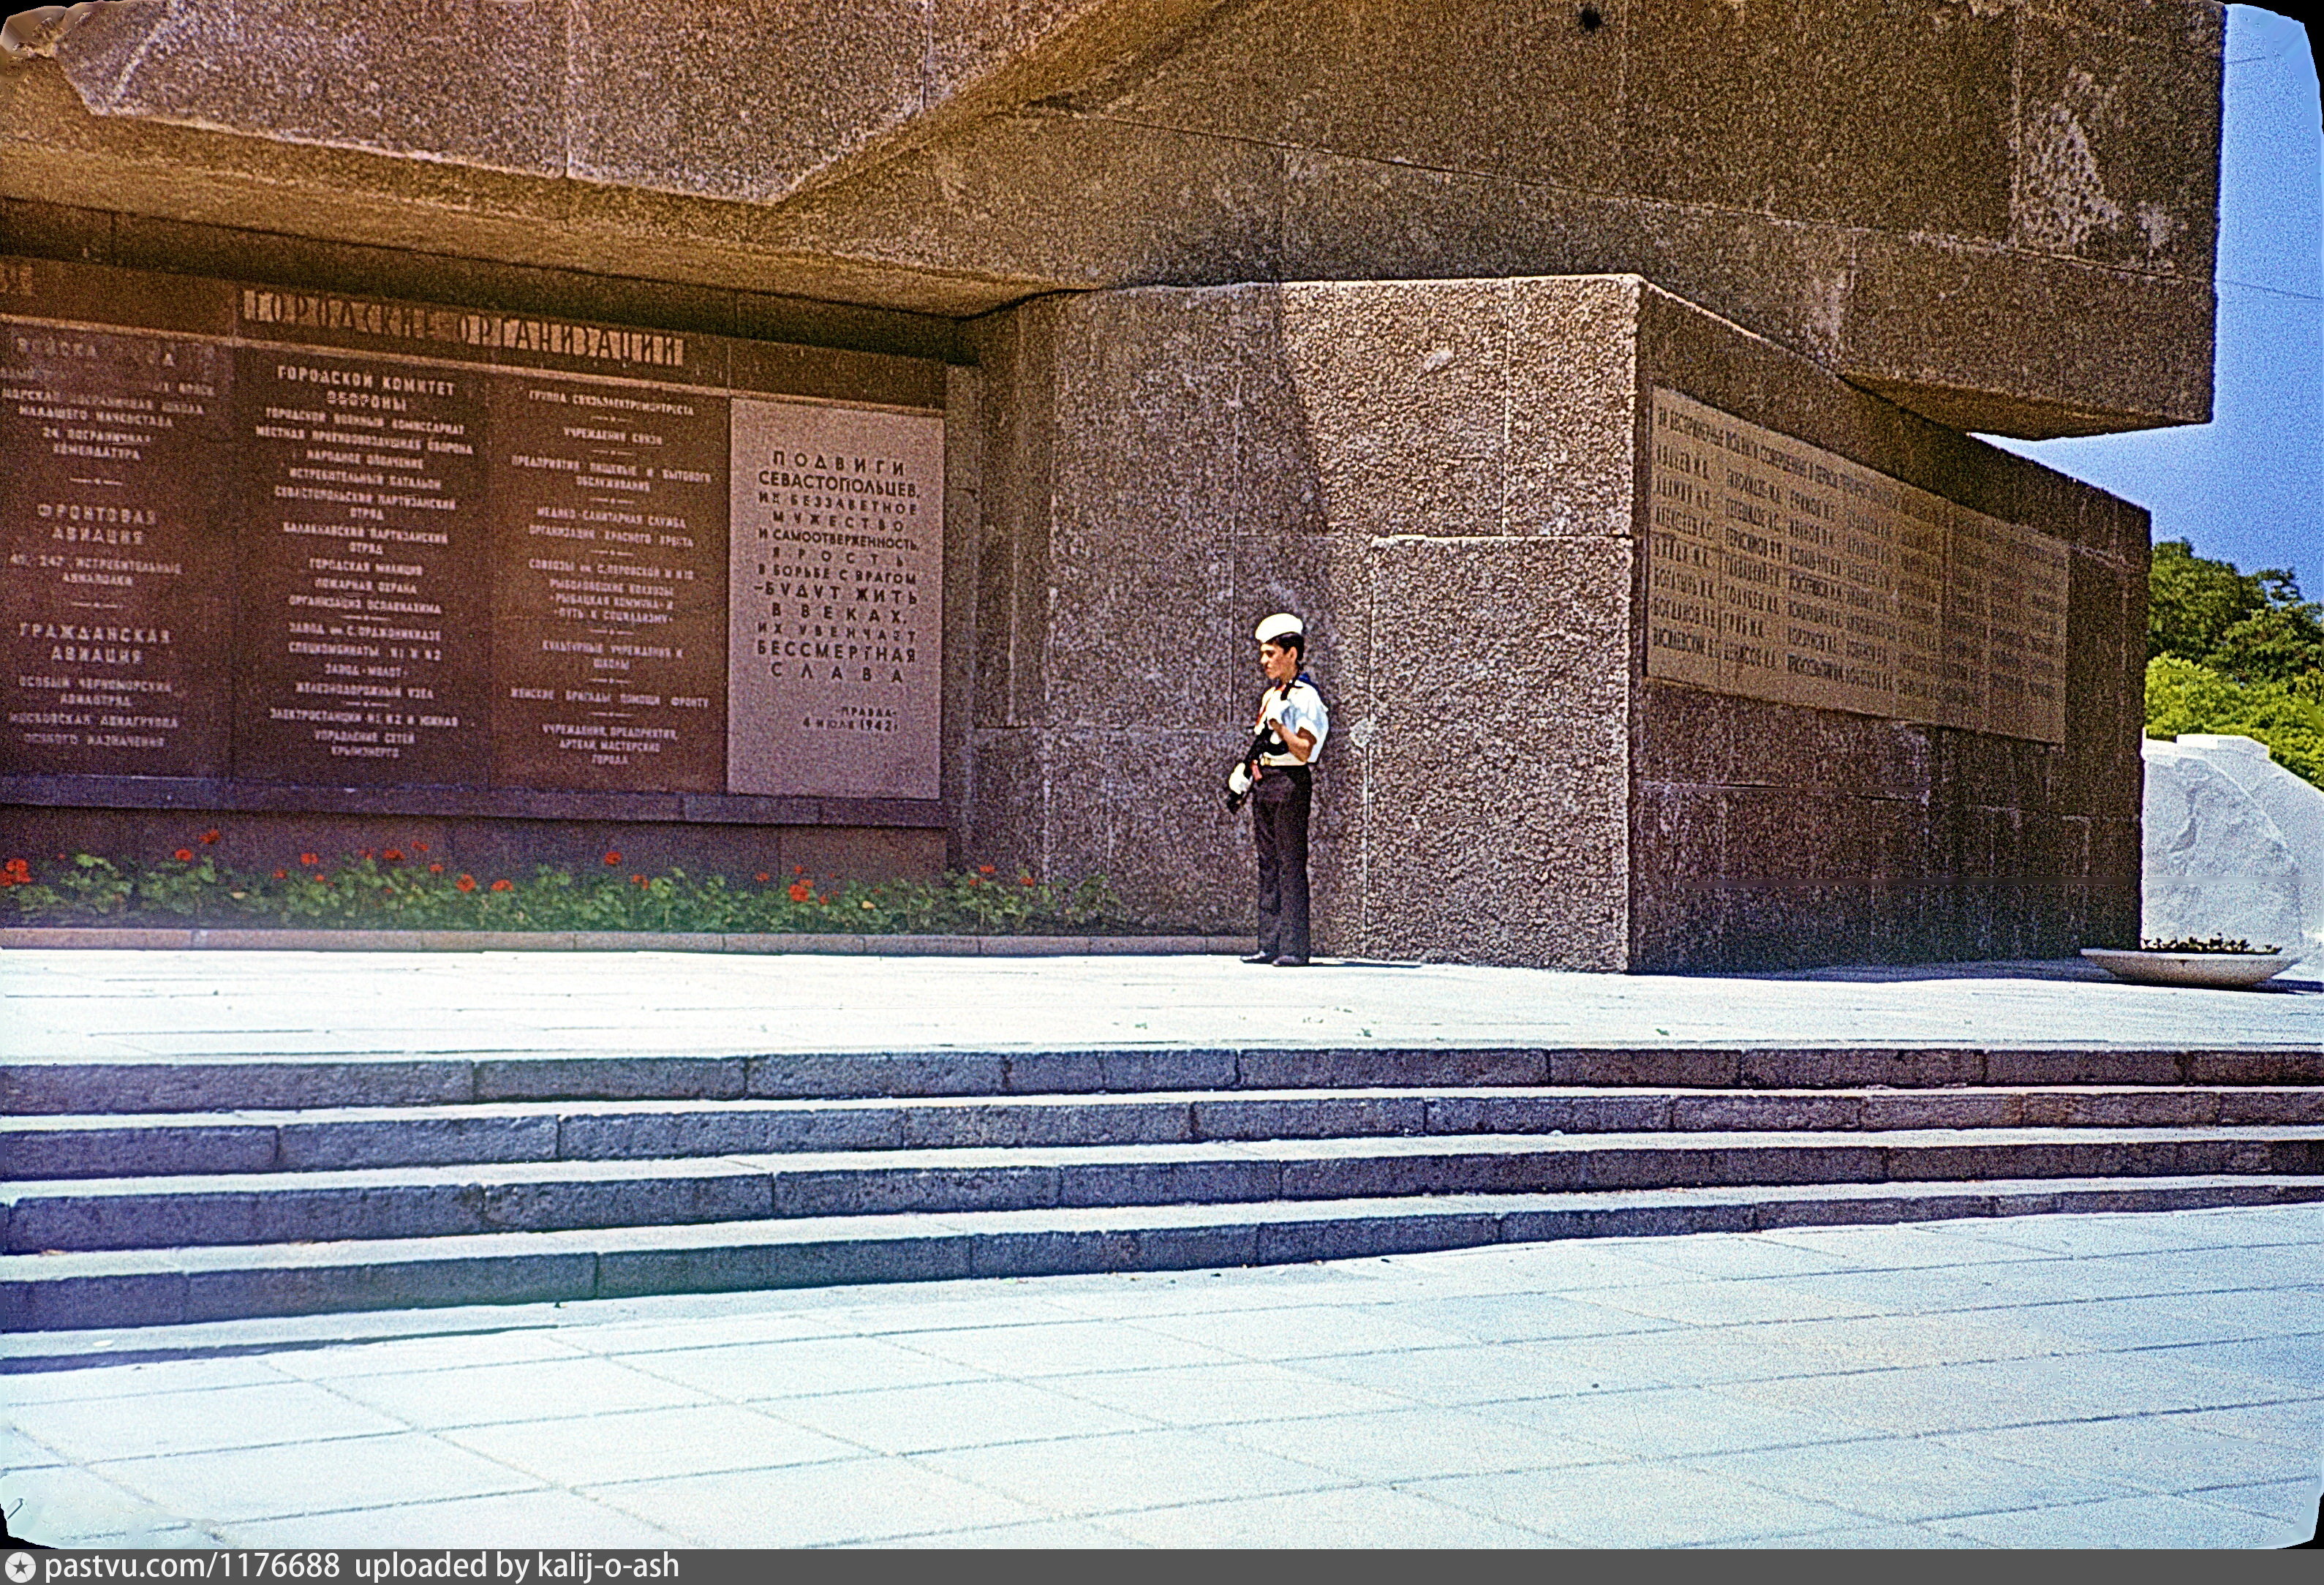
884,1191
94,1152
343,1142
1796,1112
609,1078
2293,1066
297,1288
1616,1067
2245,1107
1082,1123
1655,1167
1051,1251
1171,1183
1949,1110
57,1302
480,86
1469,619
1795,1163
1500,1114
1353,1238
1320,1119
2121,1066
792,1077
1052,1072
1361,1068
836,1262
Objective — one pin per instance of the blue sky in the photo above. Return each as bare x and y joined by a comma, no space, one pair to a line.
2247,487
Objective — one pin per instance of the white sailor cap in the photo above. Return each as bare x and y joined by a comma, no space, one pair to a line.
1279,625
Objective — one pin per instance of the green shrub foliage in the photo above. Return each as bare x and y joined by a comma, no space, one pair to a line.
397,888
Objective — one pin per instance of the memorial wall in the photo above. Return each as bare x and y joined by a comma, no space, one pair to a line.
259,539
1779,571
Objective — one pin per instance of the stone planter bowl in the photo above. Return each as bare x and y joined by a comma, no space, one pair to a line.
2231,971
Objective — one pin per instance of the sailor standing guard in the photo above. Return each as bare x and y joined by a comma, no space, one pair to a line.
1277,775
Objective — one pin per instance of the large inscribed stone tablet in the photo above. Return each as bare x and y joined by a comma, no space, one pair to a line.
1776,570
833,682
112,612
610,630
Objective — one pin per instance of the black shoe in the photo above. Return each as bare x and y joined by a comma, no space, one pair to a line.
1260,957
1287,961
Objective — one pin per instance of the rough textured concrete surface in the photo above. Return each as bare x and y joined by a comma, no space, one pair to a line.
1823,175
1445,478
2235,846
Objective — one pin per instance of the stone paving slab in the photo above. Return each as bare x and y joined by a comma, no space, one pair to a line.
2053,1380
526,1008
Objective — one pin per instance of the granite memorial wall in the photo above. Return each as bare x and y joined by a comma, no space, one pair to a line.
260,539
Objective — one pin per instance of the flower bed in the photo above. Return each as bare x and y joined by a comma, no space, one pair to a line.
408,888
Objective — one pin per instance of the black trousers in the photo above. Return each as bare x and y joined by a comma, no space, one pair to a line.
1278,823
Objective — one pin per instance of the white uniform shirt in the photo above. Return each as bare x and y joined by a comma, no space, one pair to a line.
1300,710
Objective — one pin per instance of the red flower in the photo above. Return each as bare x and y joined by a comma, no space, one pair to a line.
637,880
184,855
393,855
1024,880
281,874
504,886
367,854
209,837
984,868
309,859
612,857
418,847
16,873
465,883
795,869
761,878
435,868
800,890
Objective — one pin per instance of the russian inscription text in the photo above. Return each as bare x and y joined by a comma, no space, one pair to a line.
1778,570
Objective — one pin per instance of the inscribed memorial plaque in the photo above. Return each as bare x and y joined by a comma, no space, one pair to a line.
1780,571
365,656
114,607
609,536
314,538
837,570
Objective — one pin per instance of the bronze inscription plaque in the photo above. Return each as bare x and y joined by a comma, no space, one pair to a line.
833,679
1778,570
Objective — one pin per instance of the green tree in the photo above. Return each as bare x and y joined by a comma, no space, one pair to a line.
2235,652
2252,627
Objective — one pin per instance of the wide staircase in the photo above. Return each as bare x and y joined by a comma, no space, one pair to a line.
142,1194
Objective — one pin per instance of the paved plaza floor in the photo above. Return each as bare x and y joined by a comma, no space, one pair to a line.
2106,1380
2147,1380
131,1006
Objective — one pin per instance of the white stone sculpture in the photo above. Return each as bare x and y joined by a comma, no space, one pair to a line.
2235,847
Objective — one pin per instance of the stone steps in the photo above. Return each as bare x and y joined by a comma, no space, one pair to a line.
138,1193
445,1202
39,1088
118,1288
329,1138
